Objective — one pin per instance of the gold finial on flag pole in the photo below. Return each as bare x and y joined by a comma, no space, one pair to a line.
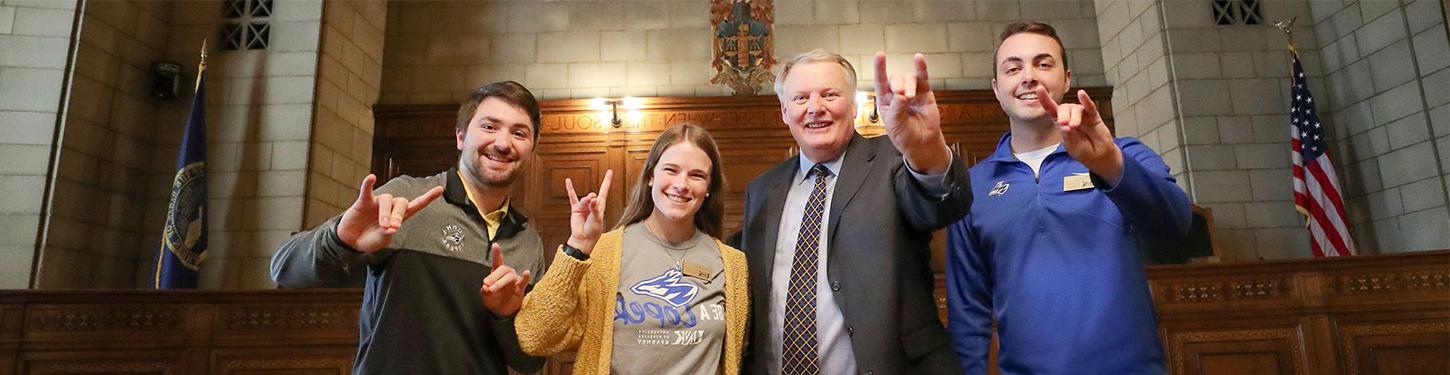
1288,28
202,67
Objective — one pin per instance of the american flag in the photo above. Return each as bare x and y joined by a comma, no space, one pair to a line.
1316,187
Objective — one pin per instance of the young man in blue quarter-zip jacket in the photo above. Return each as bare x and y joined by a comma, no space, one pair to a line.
1048,248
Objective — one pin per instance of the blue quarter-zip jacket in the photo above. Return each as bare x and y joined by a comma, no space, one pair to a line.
1059,269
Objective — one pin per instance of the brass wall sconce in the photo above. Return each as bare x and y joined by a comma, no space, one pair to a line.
867,102
868,119
614,112
611,106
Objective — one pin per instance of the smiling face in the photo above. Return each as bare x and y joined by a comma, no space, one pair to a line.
820,108
680,182
1024,62
498,140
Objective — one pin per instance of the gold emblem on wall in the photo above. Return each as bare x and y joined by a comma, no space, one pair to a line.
742,44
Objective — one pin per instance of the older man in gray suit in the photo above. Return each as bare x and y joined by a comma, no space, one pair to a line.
838,236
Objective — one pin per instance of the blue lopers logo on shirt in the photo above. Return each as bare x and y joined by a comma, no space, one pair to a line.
667,287
999,189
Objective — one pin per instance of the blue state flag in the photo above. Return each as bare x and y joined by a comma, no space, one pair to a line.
183,239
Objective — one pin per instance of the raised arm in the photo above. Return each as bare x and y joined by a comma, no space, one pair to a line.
913,121
554,314
331,251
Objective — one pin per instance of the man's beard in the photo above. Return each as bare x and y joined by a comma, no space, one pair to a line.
473,166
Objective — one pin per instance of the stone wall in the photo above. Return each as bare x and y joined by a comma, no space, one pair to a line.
1386,66
438,51
347,88
36,38
1220,118
94,233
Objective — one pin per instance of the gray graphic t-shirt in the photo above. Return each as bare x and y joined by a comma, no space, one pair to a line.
665,321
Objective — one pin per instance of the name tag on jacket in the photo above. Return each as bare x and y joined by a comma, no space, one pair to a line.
1077,181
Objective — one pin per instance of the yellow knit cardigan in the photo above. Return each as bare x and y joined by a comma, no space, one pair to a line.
573,307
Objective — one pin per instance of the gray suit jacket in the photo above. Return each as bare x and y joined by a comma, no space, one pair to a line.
880,258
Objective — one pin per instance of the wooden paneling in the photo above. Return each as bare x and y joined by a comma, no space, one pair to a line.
1246,351
184,332
1387,314
299,361
1396,348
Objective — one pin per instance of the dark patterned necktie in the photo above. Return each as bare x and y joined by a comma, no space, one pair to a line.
799,344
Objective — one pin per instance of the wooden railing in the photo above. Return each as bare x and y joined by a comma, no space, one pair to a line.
178,332
1387,314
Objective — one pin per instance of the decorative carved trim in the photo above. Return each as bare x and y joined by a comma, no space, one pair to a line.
1348,334
1388,283
1200,292
1258,289
1229,290
103,318
102,367
1428,280
1290,335
290,318
1366,283
233,364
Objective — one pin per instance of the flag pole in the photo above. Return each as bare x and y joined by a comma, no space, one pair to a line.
183,238
1288,28
201,68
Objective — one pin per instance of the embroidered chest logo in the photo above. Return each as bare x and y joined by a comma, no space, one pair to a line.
452,238
667,287
999,189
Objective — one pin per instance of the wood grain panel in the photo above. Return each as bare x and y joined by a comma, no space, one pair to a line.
1243,361
1396,347
547,200
249,361
178,332
83,362
1248,351
1356,315
1281,317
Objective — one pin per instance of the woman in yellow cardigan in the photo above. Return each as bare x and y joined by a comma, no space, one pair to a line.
660,294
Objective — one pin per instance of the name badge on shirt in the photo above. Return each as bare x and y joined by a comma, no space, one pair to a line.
1077,181
697,271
